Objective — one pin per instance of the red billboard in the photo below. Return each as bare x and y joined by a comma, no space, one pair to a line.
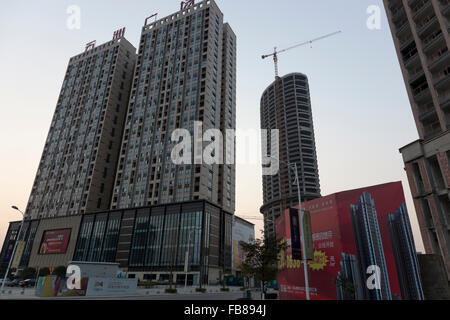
55,241
363,248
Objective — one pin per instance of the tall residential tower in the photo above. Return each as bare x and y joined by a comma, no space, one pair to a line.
185,73
369,245
405,254
420,30
77,167
297,145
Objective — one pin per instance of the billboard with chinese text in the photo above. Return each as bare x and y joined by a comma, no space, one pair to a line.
356,236
54,241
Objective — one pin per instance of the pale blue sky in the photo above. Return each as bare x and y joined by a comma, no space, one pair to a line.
361,111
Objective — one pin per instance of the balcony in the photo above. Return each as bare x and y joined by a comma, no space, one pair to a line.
402,29
415,74
412,60
419,97
420,9
431,133
442,82
427,114
398,13
427,28
445,104
438,62
430,44
445,8
405,42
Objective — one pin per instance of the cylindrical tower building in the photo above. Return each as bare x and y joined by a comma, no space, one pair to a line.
290,112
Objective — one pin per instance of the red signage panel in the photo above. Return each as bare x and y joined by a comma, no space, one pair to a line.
55,241
358,236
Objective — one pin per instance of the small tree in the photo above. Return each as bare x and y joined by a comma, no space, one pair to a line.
43,272
348,287
261,258
60,271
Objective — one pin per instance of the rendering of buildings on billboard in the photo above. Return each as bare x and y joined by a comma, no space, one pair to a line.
363,248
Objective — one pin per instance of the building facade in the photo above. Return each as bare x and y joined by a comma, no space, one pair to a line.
349,276
434,277
77,167
405,254
421,38
242,231
109,151
185,73
290,112
149,243
369,244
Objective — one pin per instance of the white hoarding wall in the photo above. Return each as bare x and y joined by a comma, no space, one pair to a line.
111,287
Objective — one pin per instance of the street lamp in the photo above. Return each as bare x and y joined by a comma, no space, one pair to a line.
14,250
293,166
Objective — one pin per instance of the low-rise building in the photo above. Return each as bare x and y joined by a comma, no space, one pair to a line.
191,238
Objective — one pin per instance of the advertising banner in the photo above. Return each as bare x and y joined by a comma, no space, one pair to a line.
309,246
363,248
55,241
18,254
9,250
295,234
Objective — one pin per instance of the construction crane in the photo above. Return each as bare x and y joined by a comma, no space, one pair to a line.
278,106
276,53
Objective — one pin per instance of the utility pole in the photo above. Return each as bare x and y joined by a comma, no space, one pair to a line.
301,213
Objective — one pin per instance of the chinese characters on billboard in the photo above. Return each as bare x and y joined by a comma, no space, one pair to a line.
54,241
363,248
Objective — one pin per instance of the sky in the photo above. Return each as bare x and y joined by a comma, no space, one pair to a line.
361,111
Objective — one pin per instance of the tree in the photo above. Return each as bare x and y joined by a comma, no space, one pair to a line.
60,271
261,258
348,287
27,273
44,272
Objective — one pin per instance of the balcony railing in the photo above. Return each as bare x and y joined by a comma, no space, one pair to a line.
438,58
420,8
427,114
429,134
432,40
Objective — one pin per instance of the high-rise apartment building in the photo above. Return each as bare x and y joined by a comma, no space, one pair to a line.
405,254
185,73
108,185
421,38
292,116
349,274
77,168
369,245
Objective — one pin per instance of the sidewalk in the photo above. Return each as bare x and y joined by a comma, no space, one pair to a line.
185,290
29,293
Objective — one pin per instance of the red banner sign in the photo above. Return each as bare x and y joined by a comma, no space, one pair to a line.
362,243
55,241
